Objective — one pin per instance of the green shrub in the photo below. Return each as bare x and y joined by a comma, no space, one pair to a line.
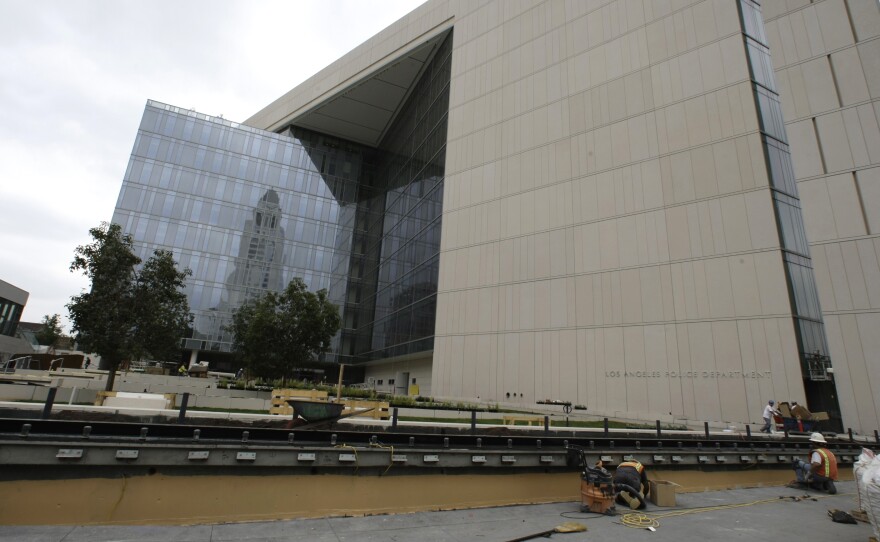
402,401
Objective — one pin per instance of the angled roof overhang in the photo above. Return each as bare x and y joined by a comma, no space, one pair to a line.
364,109
364,112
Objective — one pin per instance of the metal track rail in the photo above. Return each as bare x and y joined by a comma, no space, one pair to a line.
80,448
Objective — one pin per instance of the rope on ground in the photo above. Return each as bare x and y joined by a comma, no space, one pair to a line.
640,520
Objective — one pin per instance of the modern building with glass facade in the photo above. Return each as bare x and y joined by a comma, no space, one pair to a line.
12,303
248,210
656,210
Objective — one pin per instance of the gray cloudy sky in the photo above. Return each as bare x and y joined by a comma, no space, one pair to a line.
75,76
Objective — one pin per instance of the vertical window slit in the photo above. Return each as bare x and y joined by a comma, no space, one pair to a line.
819,145
849,17
861,203
836,84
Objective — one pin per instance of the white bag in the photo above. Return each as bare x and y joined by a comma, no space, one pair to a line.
865,460
870,479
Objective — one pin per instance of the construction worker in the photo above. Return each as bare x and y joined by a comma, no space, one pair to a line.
821,472
769,412
631,484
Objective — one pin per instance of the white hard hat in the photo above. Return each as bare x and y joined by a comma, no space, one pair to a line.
817,437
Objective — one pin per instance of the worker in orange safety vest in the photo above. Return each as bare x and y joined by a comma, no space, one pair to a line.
631,484
821,472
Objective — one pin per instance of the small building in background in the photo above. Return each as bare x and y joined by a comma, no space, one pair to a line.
12,302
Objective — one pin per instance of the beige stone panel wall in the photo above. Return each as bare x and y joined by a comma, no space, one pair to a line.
607,185
720,371
827,60
854,342
869,187
848,275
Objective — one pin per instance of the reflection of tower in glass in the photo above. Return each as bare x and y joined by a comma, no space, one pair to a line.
260,255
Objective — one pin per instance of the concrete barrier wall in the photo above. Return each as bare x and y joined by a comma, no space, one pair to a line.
205,394
237,403
244,394
440,413
17,393
39,393
202,393
173,384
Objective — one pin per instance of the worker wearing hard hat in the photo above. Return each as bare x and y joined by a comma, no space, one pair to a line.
821,472
631,484
769,412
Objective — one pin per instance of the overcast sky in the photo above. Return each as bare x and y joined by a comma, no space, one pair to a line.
75,76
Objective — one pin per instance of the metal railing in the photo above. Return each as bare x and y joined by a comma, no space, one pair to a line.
24,362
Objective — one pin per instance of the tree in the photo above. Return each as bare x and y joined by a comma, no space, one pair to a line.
50,333
129,312
163,310
280,331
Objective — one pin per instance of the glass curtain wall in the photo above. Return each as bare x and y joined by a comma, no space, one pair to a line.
246,210
249,210
10,315
804,297
398,225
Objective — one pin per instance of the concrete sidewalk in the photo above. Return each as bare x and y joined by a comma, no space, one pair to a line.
778,519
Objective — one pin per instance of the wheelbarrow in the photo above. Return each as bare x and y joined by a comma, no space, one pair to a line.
317,413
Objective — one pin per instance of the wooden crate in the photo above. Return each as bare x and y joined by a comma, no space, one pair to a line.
511,419
380,409
101,395
279,404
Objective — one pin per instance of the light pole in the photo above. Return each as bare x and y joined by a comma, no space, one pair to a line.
339,384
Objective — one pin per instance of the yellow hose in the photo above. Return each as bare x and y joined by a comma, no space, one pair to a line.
640,520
